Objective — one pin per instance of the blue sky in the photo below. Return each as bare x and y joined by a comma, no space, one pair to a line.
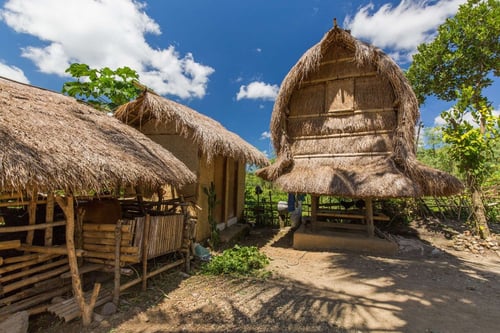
223,58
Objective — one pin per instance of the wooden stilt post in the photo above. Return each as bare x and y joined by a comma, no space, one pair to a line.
32,216
49,218
145,247
66,205
314,209
118,240
369,217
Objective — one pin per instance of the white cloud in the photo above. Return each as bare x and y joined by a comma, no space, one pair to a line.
258,90
265,135
103,33
13,73
438,121
401,28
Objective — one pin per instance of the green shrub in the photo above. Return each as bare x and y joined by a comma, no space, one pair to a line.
238,261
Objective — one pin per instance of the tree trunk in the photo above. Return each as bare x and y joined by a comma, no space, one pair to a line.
480,222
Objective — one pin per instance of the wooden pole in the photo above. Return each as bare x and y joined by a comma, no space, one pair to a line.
314,209
24,264
118,240
51,250
369,217
145,247
33,279
31,227
31,271
32,216
79,231
11,244
66,205
49,219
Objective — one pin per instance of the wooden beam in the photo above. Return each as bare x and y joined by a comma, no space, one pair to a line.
11,244
360,154
40,258
33,279
20,228
33,270
51,250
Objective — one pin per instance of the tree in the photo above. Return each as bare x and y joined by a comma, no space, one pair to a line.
434,152
105,89
457,66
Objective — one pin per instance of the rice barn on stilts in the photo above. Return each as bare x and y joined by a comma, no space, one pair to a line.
343,125
54,151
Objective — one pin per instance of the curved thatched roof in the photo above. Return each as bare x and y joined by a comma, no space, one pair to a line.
53,142
210,136
343,124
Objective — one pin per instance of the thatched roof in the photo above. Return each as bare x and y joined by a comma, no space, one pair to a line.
343,124
210,136
53,142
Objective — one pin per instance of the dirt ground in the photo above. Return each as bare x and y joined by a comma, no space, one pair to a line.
427,287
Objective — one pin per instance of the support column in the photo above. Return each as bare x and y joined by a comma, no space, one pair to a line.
314,210
49,218
369,217
86,310
145,248
118,241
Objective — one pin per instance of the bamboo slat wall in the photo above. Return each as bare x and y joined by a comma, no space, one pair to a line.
165,234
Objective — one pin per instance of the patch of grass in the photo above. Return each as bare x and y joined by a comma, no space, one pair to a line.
237,261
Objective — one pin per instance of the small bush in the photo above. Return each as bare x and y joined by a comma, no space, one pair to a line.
239,260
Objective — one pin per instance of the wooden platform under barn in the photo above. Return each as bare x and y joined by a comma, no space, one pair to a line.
325,238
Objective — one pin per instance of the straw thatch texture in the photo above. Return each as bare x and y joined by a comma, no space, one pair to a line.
343,124
53,142
210,136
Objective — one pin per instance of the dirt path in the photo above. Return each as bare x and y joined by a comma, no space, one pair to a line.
421,290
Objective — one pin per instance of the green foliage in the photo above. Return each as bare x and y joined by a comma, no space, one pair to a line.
435,152
457,66
472,146
464,54
237,261
212,202
104,88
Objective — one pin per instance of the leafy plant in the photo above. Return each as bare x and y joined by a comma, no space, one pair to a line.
212,202
458,66
237,261
104,88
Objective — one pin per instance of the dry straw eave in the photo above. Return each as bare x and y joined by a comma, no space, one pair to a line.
210,136
52,142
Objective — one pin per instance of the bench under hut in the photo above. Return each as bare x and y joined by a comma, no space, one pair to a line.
55,150
343,125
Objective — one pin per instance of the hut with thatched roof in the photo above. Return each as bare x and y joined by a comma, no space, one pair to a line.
217,156
56,146
343,125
